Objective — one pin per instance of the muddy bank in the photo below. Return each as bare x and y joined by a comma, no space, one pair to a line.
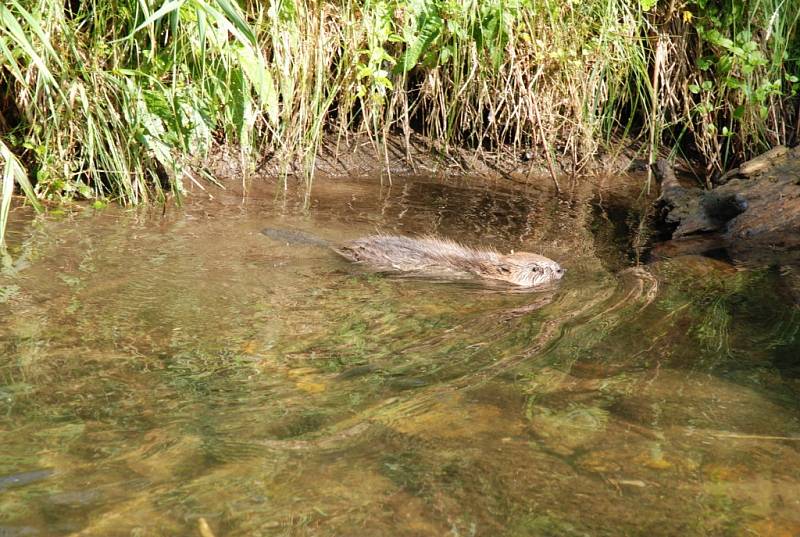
360,156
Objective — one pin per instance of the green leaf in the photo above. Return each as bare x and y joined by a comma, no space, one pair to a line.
384,82
13,172
431,27
232,11
260,77
240,96
11,26
733,83
756,57
11,62
725,43
445,55
165,9
364,71
36,28
750,46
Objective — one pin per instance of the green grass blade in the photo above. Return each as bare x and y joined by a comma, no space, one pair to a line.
15,32
13,172
164,10
232,12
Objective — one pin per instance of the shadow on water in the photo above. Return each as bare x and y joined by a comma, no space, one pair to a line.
177,370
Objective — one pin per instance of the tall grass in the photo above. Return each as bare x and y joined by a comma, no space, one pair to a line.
731,76
117,99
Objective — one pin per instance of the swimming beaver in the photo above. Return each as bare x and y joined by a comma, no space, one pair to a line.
432,255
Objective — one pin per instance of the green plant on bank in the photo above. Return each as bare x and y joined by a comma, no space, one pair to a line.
119,101
739,90
111,100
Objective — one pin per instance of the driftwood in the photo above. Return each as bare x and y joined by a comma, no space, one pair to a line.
757,165
692,210
755,215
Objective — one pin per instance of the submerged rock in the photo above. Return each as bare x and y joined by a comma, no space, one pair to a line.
294,236
24,478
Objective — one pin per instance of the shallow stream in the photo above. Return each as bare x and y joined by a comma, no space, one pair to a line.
178,372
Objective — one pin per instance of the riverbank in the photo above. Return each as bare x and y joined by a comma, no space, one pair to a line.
113,102
397,155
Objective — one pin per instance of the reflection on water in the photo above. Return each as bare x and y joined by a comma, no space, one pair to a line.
183,374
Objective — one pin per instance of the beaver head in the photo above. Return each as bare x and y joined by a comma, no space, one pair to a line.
528,270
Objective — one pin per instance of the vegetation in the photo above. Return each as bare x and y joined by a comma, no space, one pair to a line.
108,99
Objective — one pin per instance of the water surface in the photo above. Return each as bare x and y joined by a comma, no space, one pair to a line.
179,373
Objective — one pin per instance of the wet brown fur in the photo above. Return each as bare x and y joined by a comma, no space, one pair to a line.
442,257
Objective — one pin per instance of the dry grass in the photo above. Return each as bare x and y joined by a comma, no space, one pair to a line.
102,100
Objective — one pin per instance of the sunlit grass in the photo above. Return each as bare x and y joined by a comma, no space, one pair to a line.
118,101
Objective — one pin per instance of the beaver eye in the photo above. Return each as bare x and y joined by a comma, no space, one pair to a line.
504,269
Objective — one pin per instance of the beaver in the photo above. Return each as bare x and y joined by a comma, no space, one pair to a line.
435,256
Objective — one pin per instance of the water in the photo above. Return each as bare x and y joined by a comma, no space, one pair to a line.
179,373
